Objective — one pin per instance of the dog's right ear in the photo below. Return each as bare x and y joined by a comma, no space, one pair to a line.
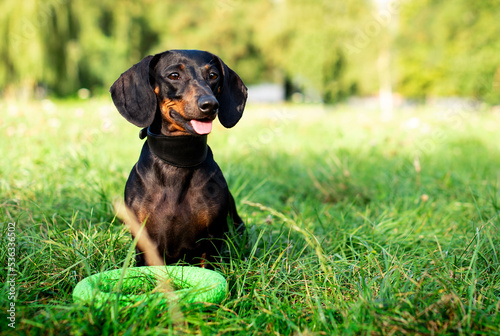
133,95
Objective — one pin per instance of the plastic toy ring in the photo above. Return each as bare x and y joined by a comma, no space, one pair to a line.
190,284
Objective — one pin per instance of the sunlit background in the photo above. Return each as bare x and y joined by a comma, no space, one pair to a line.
395,52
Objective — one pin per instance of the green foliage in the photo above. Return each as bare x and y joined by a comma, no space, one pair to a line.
329,49
306,41
64,45
450,49
355,226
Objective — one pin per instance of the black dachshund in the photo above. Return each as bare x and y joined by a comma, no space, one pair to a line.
176,187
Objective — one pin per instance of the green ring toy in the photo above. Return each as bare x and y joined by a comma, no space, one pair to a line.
190,284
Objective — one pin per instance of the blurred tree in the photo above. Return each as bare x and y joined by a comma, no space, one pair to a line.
22,50
450,49
68,44
328,49
307,42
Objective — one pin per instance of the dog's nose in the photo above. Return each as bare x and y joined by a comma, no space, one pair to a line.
208,104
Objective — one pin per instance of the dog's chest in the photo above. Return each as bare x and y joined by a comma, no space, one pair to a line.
190,197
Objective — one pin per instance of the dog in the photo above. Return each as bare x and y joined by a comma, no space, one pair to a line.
176,188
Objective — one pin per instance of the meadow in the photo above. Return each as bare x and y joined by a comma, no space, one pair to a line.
355,225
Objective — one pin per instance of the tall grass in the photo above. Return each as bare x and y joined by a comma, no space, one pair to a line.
356,226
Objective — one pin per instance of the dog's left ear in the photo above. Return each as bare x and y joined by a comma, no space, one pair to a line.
133,96
232,96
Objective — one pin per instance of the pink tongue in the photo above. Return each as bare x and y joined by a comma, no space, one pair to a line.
202,127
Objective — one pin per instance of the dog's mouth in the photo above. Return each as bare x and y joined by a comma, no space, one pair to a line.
194,126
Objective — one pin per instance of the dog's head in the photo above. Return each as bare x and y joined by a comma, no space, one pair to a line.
184,90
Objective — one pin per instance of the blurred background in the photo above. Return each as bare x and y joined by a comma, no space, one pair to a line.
385,52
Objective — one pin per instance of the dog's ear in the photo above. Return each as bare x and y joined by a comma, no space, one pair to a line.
232,96
133,95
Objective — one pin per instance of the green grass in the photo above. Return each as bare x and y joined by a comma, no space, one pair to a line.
355,226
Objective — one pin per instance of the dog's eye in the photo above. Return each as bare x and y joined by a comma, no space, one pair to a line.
174,76
213,76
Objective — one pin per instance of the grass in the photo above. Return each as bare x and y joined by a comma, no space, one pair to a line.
356,226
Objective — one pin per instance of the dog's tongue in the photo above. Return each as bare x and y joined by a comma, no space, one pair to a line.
201,127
